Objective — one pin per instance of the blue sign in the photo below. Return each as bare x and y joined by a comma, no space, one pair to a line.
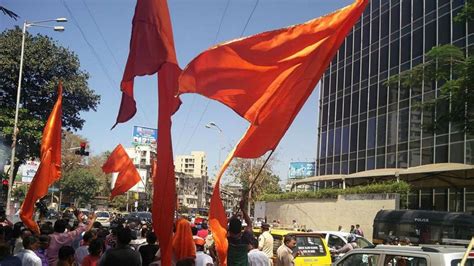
302,169
144,135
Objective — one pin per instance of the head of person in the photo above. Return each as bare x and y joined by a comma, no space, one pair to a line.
235,226
25,233
294,221
31,242
289,241
4,250
199,242
265,227
204,226
194,230
97,225
150,238
357,226
253,243
124,236
88,236
66,255
96,247
60,226
351,238
395,241
339,228
352,227
44,241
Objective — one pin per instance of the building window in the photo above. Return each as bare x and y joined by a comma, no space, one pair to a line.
444,30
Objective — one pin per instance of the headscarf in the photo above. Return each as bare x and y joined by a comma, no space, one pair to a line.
183,243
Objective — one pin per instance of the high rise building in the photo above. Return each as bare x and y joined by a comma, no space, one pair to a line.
371,131
194,165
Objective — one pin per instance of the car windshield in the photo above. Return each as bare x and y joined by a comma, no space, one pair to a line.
102,214
310,246
146,215
362,242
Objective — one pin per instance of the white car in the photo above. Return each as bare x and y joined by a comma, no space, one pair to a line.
103,217
337,239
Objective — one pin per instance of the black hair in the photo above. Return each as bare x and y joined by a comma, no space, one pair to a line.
204,226
235,225
151,238
65,252
60,226
124,236
28,241
194,230
253,242
95,247
288,238
88,236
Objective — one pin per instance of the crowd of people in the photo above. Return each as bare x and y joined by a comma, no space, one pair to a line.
84,241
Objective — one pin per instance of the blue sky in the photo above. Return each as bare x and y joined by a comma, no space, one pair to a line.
98,31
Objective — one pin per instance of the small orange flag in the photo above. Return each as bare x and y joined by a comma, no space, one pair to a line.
266,79
49,170
128,175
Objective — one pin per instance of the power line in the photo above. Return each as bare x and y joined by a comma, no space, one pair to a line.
208,101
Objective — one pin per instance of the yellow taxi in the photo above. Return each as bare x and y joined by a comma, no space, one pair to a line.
312,246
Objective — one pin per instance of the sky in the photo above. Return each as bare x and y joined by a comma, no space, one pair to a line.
98,32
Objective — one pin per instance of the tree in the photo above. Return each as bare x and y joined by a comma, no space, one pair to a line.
81,185
452,70
244,172
45,63
19,192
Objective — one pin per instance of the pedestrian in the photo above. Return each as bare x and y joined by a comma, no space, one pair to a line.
65,256
149,250
123,253
352,231
96,247
202,259
19,241
239,240
285,254
265,242
257,257
295,225
27,255
204,231
43,247
6,257
350,245
358,230
83,250
339,228
62,238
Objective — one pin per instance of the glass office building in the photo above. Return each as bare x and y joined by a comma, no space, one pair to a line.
365,124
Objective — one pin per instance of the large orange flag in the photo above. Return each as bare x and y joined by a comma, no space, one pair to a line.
266,78
152,50
49,170
128,175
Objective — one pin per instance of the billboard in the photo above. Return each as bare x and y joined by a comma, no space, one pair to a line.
144,135
302,169
139,187
28,171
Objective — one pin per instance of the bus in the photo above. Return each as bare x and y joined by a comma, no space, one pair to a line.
423,227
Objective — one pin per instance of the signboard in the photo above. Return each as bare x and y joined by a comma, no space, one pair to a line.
28,171
144,135
139,187
302,169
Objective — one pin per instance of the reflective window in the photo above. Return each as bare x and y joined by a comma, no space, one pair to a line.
417,43
345,140
348,75
337,142
339,109
384,25
362,135
349,45
427,155
353,137
373,97
380,161
384,58
356,72
429,6
394,53
406,48
363,101
430,35
441,154
382,95
402,160
366,35
330,143
370,163
456,151
347,106
375,29
403,125
371,131
357,40
417,9
323,145
459,29
391,160
392,128
444,30
374,57
332,107
381,132
355,103
352,166
395,16
365,67
324,117
406,12
360,259
361,165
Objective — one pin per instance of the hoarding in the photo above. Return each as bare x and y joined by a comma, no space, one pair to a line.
139,187
302,169
144,135
28,171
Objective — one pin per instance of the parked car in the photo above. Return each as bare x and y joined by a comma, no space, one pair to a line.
139,217
103,217
404,255
337,239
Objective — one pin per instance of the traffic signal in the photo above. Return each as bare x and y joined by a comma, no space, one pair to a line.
82,149
5,185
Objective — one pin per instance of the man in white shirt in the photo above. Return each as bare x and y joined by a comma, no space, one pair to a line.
257,257
265,242
202,259
28,255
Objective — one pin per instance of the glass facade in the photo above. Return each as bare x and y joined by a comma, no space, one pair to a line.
367,125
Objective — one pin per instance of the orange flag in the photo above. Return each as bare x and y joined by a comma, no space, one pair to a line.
128,175
49,170
152,50
266,79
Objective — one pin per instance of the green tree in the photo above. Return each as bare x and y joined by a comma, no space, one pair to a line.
45,63
452,70
81,185
244,172
19,192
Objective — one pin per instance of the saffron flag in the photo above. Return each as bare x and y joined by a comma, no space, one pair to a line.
266,79
49,170
128,175
152,50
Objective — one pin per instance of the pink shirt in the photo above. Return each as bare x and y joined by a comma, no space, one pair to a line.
203,233
59,240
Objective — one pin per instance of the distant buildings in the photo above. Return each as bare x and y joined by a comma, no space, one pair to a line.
194,165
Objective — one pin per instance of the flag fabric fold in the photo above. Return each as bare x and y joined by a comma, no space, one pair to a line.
266,78
49,170
152,50
128,176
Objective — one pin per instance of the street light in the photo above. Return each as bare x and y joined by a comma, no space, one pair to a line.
26,25
211,125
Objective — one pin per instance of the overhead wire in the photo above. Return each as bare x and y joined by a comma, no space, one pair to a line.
208,101
112,82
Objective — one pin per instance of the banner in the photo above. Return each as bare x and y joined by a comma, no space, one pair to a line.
302,169
144,136
28,171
